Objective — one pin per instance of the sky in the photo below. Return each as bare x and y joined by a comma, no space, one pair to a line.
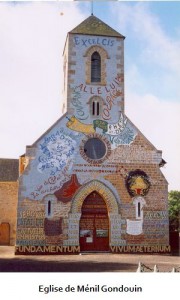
32,37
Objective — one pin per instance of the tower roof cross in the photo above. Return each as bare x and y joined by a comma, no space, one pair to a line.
92,7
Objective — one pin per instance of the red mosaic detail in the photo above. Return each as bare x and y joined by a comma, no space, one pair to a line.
68,189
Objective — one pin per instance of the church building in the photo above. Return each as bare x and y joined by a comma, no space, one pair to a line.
92,182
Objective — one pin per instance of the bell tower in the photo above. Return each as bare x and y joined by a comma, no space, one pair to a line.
94,72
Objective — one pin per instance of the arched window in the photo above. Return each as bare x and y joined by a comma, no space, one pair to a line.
139,210
49,208
139,202
95,67
95,108
95,105
96,64
50,202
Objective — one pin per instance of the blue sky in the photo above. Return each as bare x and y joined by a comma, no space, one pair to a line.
32,37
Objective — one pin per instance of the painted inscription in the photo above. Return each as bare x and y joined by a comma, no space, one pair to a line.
112,90
115,129
30,234
30,227
55,151
110,98
76,102
156,214
46,249
51,184
86,42
143,248
76,249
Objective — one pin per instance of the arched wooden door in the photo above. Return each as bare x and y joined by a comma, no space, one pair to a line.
94,224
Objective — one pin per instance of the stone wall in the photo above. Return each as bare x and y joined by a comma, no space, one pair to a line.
8,209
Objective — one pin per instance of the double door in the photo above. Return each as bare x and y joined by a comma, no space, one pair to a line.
94,224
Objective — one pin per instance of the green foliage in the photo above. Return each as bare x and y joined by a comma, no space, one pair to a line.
174,210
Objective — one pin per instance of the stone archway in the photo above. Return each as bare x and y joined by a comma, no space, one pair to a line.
99,187
112,208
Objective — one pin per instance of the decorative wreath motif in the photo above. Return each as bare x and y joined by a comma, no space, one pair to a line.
137,183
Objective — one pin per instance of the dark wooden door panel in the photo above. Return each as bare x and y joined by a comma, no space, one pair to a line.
4,234
94,224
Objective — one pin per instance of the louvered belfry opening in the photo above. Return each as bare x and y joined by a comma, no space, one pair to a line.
95,67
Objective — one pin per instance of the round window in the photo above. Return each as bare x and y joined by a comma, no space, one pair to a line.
95,148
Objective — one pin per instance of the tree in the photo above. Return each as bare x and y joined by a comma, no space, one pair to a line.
174,210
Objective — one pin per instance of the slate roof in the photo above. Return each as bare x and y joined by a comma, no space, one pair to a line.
94,26
9,169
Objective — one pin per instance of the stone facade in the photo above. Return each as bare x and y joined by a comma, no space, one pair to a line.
93,149
8,200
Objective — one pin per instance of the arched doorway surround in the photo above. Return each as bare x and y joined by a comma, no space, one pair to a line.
110,200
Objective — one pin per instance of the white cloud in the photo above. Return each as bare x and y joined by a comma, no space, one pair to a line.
158,50
159,121
157,117
32,38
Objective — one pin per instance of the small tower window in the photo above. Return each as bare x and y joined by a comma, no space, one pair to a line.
97,103
95,108
49,208
95,67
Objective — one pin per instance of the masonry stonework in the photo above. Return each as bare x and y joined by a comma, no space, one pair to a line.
8,211
92,182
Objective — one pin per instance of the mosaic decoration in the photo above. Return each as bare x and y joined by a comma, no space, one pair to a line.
53,227
111,129
76,125
137,183
55,150
68,189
